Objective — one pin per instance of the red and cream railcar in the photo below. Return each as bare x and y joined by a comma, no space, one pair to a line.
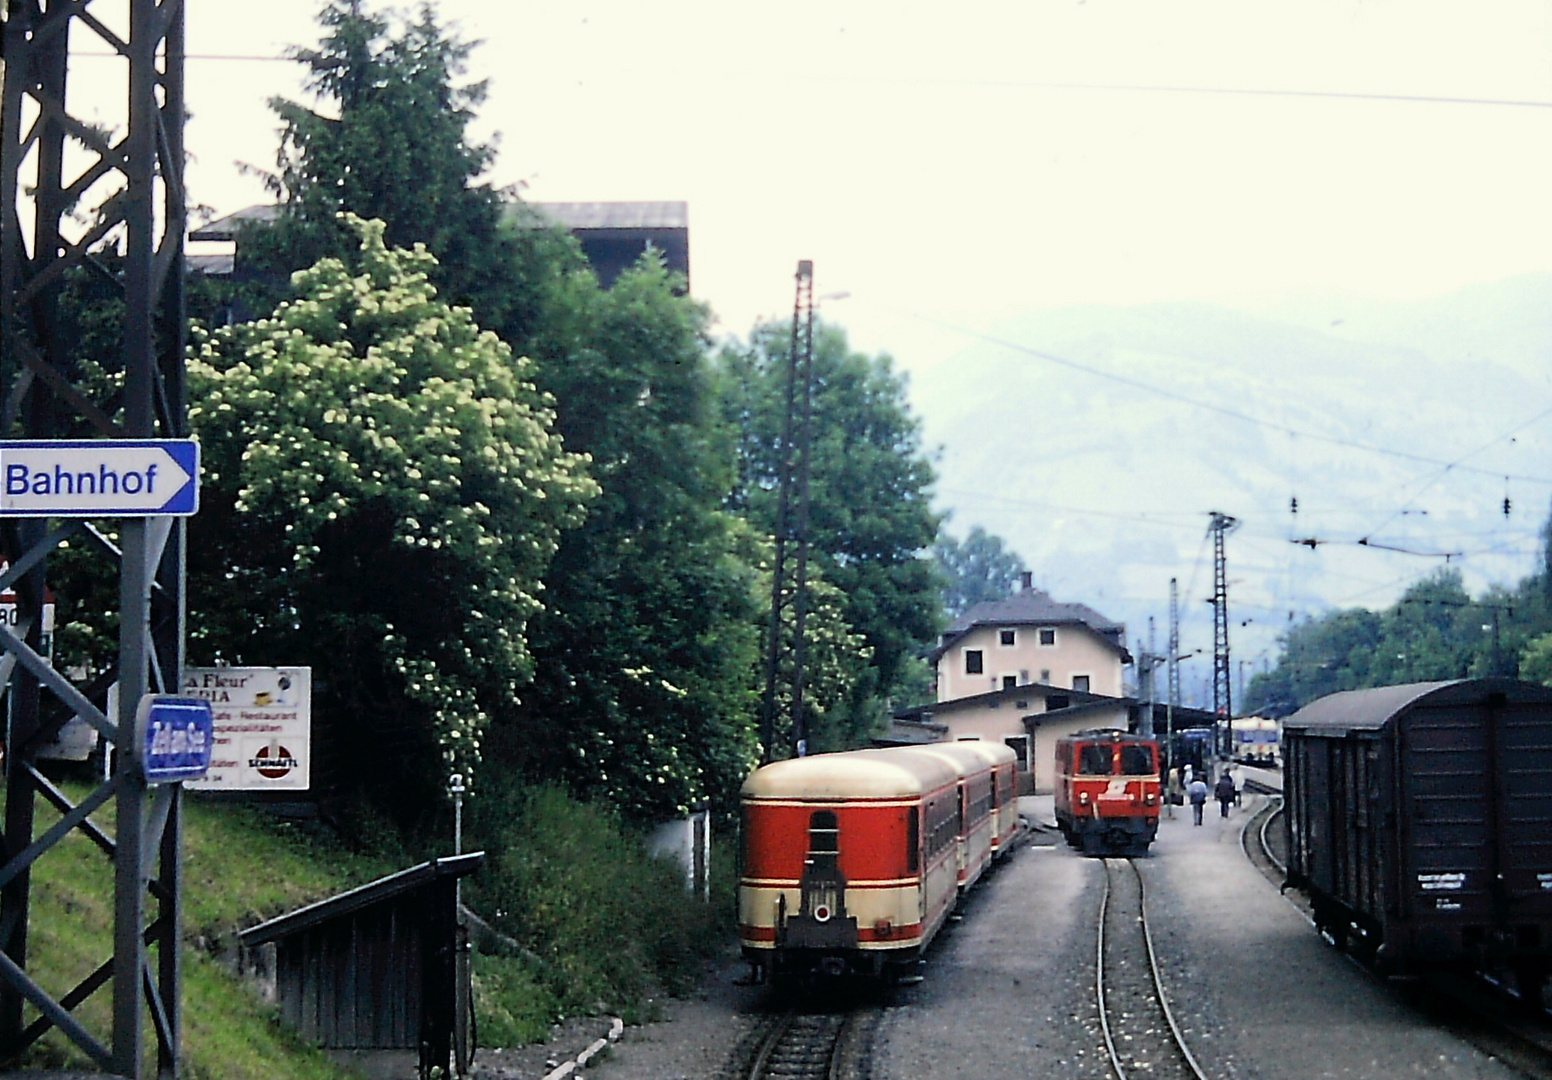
1005,815
850,860
1107,792
989,801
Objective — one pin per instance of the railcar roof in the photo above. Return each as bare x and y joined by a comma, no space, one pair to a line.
894,773
1370,710
965,758
993,753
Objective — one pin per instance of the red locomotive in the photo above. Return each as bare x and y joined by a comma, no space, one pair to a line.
1107,792
853,861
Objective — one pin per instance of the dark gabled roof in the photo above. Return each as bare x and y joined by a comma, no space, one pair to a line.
923,713
1036,719
227,228
1034,606
616,215
569,215
904,731
1185,717
1031,607
372,892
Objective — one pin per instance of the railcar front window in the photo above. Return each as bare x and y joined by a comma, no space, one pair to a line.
824,838
1137,761
1094,760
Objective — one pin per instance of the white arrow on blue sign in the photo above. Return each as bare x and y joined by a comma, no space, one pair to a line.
178,738
99,478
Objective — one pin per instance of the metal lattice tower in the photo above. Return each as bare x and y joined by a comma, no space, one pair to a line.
1174,646
101,197
1223,706
785,644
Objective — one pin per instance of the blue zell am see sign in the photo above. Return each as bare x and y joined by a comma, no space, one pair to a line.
178,738
99,478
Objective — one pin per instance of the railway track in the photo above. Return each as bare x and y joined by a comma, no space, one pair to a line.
1140,1032
809,1046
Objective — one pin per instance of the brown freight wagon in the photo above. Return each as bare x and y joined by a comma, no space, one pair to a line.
1419,819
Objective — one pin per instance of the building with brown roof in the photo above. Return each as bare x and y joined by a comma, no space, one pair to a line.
1026,639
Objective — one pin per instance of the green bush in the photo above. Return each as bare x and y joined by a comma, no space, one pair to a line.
605,923
512,1002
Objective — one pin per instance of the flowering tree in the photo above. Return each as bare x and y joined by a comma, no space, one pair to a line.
383,492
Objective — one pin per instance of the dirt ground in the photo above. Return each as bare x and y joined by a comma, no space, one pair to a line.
692,1040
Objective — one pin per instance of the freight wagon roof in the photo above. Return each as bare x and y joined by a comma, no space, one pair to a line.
894,773
1370,710
1361,709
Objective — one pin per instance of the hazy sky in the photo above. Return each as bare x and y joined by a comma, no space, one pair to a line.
955,168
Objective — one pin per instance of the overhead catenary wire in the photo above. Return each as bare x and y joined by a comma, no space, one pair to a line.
1238,414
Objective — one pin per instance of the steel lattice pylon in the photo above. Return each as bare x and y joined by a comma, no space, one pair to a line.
1223,706
784,647
79,198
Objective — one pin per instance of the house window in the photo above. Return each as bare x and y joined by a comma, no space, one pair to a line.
1009,681
1007,637
1080,683
1021,704
1045,675
1048,636
1057,701
973,662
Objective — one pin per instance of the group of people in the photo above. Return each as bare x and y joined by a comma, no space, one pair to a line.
1196,790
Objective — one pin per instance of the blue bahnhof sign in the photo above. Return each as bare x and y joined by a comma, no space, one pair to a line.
99,478
178,738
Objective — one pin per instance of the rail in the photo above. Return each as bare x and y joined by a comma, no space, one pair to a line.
803,1046
1159,998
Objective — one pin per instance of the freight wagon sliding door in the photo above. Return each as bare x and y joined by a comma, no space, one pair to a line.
1448,777
1355,834
1525,823
1308,780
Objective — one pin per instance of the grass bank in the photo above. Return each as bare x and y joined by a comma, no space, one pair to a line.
591,922
239,868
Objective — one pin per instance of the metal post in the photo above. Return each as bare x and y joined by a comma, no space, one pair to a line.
58,167
785,646
1222,693
1174,668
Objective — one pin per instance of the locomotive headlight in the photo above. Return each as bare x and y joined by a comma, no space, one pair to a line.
1150,798
822,913
1083,798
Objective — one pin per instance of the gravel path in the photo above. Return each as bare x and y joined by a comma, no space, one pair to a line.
1259,994
1009,990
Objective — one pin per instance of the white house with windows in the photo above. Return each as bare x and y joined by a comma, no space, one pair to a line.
1030,639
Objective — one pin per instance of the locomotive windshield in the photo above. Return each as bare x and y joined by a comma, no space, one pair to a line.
1137,760
1094,759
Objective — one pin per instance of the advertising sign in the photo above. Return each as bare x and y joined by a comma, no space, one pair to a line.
177,738
262,727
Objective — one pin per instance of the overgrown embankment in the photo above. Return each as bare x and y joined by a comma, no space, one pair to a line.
598,924
239,868
592,923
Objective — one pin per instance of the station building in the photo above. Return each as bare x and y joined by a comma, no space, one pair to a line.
1028,718
1030,639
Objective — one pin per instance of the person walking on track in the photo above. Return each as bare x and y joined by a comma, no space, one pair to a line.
1197,793
1224,792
